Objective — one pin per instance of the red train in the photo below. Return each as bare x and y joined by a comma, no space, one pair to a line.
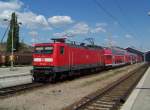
59,59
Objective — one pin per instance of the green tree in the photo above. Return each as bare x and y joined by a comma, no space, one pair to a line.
14,27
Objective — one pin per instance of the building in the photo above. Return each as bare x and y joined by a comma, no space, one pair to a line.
129,49
147,56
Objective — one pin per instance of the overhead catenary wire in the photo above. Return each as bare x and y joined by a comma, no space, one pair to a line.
129,21
5,33
113,17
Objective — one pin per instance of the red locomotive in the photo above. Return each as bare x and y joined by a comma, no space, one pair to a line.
59,59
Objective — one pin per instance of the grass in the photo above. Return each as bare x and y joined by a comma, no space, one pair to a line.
108,75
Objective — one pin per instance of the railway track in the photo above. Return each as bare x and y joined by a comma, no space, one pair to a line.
6,92
112,96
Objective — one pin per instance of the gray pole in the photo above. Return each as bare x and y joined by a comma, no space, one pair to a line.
12,50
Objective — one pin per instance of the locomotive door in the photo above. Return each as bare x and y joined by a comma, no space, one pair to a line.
71,55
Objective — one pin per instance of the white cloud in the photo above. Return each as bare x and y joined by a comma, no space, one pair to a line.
60,20
110,42
80,28
32,20
4,15
33,33
61,34
115,23
16,5
128,36
101,24
29,19
114,42
97,30
115,36
34,36
6,8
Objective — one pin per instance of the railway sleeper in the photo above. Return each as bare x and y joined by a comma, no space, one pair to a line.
105,102
95,108
116,94
103,105
112,97
108,99
120,99
122,87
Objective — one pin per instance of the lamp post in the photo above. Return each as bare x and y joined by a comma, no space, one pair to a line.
12,45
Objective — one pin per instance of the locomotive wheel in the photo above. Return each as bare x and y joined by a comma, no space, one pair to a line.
52,78
63,76
35,79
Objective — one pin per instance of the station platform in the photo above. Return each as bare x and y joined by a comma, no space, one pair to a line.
4,72
140,97
18,76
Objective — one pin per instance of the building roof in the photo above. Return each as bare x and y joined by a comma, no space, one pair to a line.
134,51
148,52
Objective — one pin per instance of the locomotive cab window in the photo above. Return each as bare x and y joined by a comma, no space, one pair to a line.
62,50
38,49
48,50
44,50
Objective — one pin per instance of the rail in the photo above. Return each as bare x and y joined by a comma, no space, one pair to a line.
9,91
112,96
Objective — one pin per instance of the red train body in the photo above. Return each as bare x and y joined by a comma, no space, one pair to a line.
51,60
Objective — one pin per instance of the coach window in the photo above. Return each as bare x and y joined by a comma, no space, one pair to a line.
62,50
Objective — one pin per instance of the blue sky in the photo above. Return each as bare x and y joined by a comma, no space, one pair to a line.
46,19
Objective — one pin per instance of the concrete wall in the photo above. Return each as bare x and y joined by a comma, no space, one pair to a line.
14,80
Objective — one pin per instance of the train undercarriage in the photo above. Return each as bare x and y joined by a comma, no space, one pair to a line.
47,75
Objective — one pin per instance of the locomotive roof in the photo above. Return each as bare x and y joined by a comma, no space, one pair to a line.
85,46
70,44
42,44
81,45
63,40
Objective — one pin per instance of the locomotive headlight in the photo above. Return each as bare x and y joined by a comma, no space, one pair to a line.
37,59
48,59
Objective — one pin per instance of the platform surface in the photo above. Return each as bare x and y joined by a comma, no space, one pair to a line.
4,72
140,97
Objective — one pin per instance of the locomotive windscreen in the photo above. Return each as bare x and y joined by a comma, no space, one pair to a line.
43,49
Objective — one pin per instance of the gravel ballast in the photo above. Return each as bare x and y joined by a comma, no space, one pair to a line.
60,95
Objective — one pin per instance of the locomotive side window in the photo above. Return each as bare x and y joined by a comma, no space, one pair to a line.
62,50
